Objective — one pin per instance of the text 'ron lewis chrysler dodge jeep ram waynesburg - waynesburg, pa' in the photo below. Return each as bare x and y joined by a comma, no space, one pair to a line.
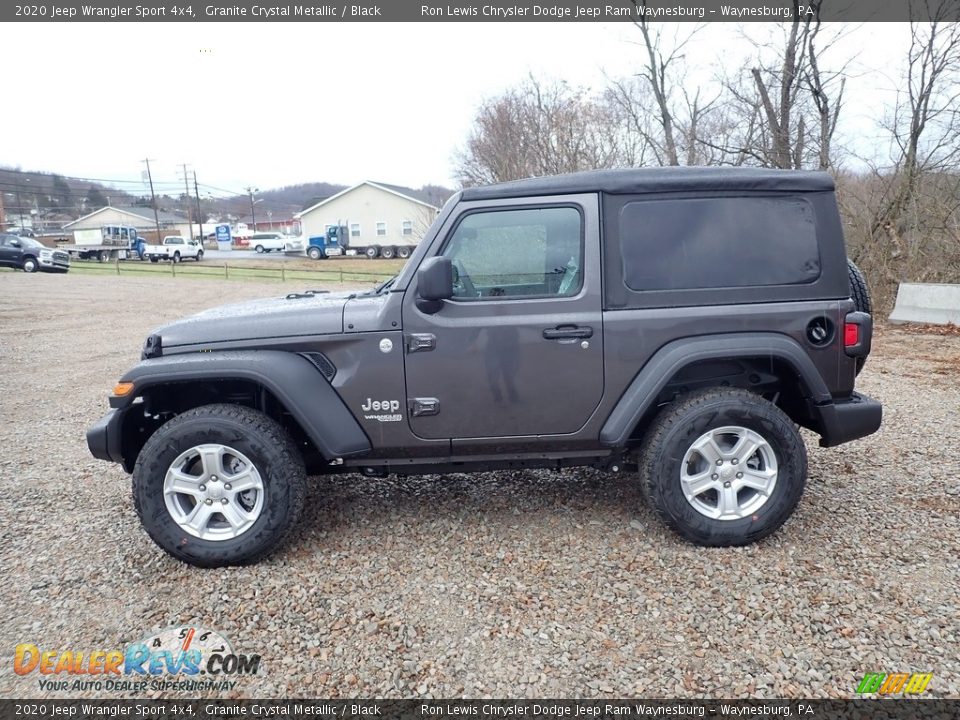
682,321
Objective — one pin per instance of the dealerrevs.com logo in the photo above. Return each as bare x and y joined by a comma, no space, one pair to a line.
179,658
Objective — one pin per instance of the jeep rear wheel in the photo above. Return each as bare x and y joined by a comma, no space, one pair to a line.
723,467
219,485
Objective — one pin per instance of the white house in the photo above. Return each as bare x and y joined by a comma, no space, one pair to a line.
390,218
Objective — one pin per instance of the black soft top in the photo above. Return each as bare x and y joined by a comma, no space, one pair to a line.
658,179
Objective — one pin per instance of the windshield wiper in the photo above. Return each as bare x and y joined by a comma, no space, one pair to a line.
384,286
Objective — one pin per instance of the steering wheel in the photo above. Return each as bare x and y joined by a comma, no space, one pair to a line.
462,280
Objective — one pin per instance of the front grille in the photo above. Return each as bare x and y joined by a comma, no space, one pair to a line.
61,257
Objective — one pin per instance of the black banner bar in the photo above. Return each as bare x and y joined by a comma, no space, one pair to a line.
890,709
738,11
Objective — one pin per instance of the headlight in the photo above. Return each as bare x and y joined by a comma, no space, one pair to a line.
46,253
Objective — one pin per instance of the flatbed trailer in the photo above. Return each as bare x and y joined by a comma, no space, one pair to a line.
108,243
102,253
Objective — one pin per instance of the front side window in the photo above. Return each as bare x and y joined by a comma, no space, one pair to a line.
518,253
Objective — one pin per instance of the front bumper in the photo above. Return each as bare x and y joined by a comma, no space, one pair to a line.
60,262
104,437
849,419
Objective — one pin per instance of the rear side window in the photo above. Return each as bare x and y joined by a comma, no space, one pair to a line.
718,242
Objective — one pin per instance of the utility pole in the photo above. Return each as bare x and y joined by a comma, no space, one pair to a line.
253,215
186,187
153,201
196,189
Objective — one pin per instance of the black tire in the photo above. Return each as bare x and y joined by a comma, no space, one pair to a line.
176,257
248,431
372,251
860,294
403,252
30,264
199,255
673,433
104,256
314,253
388,252
153,259
259,249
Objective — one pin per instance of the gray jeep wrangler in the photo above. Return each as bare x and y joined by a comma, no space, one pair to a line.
679,322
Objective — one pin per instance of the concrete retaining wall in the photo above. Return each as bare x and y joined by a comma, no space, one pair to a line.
927,303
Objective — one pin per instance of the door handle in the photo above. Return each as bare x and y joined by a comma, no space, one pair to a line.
567,332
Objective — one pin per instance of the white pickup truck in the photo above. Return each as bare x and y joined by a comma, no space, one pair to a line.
174,248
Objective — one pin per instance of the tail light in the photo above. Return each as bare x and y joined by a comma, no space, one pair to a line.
851,335
857,334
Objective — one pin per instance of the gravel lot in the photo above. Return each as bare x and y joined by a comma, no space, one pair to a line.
528,584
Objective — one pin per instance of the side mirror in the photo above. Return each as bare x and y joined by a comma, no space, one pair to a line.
16,243
434,284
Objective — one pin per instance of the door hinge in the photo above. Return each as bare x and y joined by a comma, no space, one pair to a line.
420,407
421,342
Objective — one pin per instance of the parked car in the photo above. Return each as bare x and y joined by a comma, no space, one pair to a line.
270,241
175,248
30,255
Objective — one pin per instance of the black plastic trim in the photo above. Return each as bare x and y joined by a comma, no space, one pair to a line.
103,437
293,380
674,356
849,419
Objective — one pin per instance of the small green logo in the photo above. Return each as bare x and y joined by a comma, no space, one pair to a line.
892,683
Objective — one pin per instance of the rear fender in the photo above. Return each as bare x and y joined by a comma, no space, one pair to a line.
673,357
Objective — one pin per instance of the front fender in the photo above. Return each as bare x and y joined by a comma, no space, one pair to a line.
295,381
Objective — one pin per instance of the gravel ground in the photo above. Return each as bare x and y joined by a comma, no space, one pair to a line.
524,584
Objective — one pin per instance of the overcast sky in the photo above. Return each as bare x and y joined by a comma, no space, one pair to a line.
278,104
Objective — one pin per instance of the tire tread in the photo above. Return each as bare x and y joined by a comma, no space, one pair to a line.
678,414
268,431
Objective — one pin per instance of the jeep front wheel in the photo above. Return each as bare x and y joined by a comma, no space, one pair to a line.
219,485
723,467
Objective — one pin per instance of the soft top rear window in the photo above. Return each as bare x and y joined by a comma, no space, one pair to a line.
718,242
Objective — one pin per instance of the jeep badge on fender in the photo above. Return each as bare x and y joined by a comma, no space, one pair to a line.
682,322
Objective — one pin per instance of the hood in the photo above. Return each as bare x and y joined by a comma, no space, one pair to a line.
290,316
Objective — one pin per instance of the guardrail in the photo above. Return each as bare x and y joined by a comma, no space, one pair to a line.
226,271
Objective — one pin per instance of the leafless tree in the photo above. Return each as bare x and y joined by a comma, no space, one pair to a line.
925,124
538,129
903,217
666,125
788,106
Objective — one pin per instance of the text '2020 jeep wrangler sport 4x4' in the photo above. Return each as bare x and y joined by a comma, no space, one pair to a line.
685,319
